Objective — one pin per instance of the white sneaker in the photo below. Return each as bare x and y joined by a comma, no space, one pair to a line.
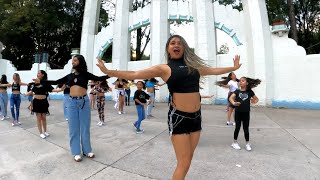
18,122
77,158
42,136
233,123
46,134
235,146
248,147
2,118
67,119
99,124
119,112
123,112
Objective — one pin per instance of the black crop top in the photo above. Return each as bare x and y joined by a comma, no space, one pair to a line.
180,80
15,87
79,80
40,89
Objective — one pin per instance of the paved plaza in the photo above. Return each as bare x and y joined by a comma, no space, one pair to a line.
285,145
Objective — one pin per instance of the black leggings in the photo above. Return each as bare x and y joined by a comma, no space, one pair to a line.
245,118
100,106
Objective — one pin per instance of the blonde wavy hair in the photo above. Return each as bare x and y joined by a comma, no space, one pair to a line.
17,77
192,60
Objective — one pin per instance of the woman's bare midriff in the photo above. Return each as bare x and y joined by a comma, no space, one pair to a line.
15,92
77,91
150,89
3,90
186,102
39,96
100,94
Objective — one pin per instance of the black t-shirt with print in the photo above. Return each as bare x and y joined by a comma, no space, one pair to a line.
141,96
244,98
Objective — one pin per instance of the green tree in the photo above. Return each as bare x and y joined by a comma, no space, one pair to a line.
31,26
306,15
235,3
141,33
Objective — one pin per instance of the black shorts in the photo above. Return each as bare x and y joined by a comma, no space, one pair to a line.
180,122
40,105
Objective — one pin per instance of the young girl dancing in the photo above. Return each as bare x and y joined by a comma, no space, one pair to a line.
140,99
241,100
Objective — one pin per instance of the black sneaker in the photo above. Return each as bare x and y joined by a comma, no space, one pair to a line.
139,131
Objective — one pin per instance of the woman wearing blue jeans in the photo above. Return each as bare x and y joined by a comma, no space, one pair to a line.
15,99
66,95
3,97
78,106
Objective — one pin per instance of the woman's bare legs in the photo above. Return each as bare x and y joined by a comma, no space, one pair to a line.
184,146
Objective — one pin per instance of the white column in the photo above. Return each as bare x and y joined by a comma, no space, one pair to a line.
260,54
205,40
159,36
121,40
89,30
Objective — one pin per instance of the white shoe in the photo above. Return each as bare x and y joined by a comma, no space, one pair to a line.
123,112
46,134
233,123
235,146
248,147
77,158
42,136
119,112
2,118
99,124
67,119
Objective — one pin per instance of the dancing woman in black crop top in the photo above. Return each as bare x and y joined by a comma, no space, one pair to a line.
78,106
40,103
15,99
182,75
3,97
120,85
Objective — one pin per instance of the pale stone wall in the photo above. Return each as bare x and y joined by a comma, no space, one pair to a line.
289,76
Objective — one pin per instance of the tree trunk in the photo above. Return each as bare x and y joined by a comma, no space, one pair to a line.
292,19
138,46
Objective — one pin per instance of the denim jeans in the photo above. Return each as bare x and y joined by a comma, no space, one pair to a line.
65,103
79,125
150,106
15,101
141,115
4,103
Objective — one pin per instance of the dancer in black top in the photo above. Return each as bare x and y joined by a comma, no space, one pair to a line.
3,97
182,75
78,106
241,99
40,102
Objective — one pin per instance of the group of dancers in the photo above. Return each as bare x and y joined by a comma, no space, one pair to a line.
182,73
